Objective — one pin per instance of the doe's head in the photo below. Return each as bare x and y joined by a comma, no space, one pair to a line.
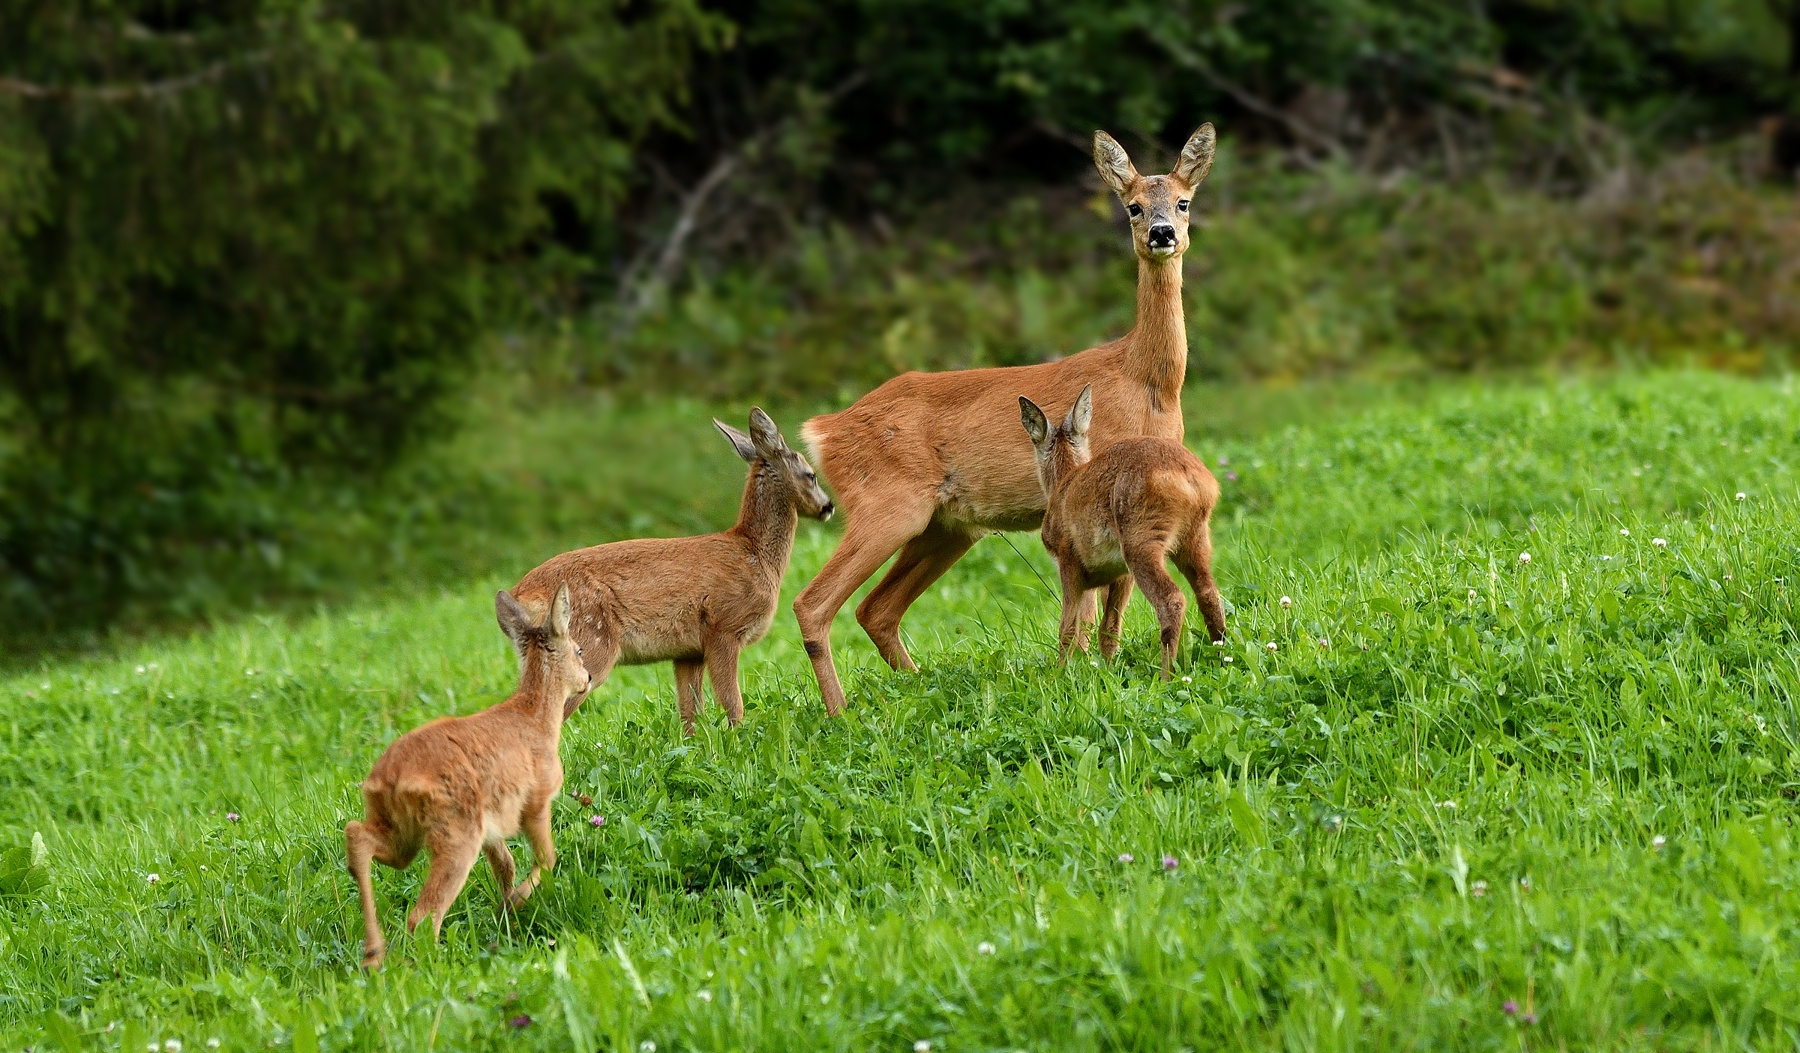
1158,205
1063,448
765,446
548,641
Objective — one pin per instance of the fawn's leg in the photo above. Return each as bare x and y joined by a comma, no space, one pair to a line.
543,849
500,859
1074,595
868,541
922,560
1146,563
452,856
1084,619
1194,560
687,691
1112,624
722,663
361,846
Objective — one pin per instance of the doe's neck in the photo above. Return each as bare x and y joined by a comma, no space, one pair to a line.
1158,352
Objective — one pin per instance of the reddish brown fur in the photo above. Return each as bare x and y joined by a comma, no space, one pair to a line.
928,463
460,786
693,601
1118,517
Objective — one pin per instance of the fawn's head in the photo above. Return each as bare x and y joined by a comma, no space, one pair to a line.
767,451
1063,448
547,644
1158,204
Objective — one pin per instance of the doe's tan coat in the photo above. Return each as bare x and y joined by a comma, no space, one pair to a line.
928,463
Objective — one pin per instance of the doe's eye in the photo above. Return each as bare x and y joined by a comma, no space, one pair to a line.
1136,210
1182,204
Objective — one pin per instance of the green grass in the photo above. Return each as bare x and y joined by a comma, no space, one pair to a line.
1379,842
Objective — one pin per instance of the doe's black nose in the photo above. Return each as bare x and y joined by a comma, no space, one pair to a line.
1162,234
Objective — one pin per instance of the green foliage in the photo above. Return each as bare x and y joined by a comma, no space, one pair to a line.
1564,783
1288,278
263,239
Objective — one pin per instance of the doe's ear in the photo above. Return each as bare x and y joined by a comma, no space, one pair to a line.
1081,414
739,441
1196,156
1114,164
558,621
515,621
1036,424
766,435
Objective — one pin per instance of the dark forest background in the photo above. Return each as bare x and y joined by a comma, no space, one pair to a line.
261,261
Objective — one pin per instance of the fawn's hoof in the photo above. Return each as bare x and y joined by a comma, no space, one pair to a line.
373,957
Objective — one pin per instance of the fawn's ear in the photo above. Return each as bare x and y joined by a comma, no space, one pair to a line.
766,435
739,441
1114,165
1081,414
515,621
1036,424
1196,156
557,624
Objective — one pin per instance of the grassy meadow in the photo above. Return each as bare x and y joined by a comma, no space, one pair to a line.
1446,797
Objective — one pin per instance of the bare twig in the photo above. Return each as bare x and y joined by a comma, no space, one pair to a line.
1305,132
640,293
126,92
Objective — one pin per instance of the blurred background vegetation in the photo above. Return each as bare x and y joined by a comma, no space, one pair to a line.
293,294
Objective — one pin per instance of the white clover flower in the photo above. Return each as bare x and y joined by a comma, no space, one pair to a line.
212,1043
1473,595
646,1046
1659,542
1742,496
173,1045
984,947
152,878
1525,884
1271,645
1227,659
1324,644
1450,805
1525,558
1624,533
140,670
1286,602
922,1046
704,995
1658,842
1478,889
1187,679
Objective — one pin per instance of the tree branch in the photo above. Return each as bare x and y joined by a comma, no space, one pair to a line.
1185,56
126,92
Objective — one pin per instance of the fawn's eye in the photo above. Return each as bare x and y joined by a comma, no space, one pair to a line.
1182,205
578,650
1135,209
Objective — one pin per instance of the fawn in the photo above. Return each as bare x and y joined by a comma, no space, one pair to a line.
1118,516
693,601
928,463
460,786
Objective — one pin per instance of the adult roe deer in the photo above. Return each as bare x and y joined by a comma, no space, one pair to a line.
1118,516
928,463
694,601
460,786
